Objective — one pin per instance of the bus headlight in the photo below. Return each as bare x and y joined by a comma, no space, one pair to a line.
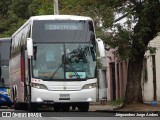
89,86
39,86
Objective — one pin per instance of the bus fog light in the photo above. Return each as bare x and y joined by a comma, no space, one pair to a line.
89,86
89,99
39,100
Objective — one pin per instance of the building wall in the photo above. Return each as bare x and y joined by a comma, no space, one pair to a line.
158,73
121,75
148,91
117,80
109,58
148,85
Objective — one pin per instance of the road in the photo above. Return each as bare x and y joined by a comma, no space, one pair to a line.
52,113
44,114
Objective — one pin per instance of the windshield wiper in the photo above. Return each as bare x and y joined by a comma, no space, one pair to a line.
53,74
75,72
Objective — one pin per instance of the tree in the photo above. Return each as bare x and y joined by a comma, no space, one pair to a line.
135,41
96,9
131,44
147,27
13,13
4,6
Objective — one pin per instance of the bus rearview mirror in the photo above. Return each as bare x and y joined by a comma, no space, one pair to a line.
100,47
29,47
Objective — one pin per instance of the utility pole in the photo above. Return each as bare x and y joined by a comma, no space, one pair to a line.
56,10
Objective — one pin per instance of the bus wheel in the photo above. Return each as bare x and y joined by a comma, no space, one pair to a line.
15,104
56,108
83,107
32,107
20,106
65,108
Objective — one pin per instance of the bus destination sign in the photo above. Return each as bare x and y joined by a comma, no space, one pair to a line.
63,26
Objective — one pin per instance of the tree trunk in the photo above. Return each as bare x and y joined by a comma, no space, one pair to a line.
134,88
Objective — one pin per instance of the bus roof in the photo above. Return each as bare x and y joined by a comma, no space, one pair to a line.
60,17
53,17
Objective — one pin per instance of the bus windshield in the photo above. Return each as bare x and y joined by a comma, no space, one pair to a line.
74,61
4,62
4,82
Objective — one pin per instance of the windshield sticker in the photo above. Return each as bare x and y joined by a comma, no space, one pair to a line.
73,75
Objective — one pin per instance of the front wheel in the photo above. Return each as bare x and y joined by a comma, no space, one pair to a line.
61,107
56,108
65,108
83,107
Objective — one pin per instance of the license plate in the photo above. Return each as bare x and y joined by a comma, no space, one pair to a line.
64,97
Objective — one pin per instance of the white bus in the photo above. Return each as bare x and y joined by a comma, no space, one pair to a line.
53,62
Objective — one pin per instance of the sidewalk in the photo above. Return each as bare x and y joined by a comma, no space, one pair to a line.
137,107
101,107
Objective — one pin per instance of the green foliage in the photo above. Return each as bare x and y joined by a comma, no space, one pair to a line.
117,102
152,50
132,43
122,41
13,13
96,9
18,11
40,7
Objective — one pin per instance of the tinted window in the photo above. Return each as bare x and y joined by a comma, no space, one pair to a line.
4,76
62,31
4,51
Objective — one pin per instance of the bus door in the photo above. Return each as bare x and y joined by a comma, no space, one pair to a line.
24,74
26,83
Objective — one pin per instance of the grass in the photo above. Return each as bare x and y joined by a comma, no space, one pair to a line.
116,103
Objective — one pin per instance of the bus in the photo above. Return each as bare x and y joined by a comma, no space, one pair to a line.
53,63
4,72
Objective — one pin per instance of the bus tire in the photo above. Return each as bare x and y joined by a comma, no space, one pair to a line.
15,104
32,107
20,106
57,108
65,108
83,107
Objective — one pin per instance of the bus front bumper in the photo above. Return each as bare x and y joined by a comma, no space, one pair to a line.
42,96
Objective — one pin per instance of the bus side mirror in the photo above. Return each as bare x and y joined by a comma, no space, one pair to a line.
29,47
100,47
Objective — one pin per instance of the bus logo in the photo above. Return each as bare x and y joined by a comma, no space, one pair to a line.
64,88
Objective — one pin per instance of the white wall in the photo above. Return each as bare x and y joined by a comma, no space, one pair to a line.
148,91
148,86
158,73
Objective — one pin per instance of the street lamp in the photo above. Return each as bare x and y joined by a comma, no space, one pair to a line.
56,10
